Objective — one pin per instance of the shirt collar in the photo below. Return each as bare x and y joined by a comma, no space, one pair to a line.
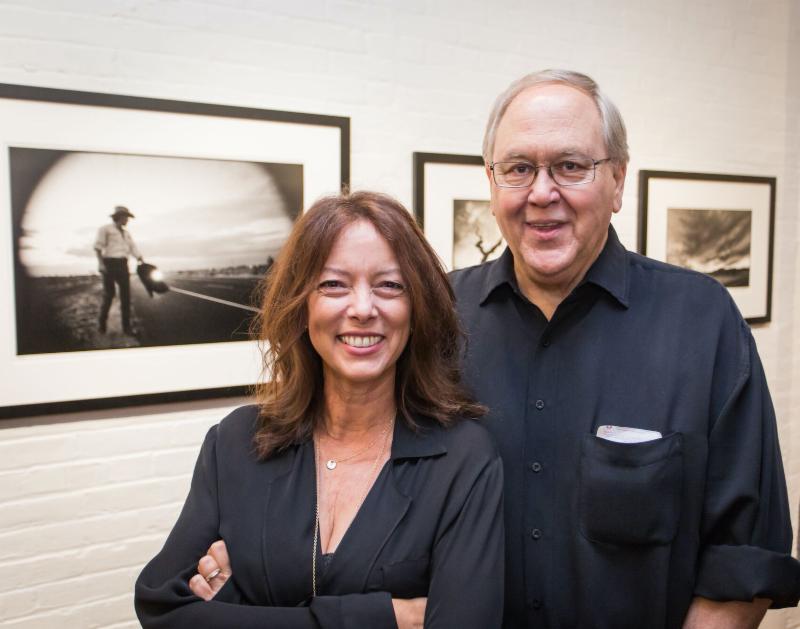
609,271
426,441
501,272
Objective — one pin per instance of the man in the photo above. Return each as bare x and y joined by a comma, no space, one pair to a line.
644,486
113,245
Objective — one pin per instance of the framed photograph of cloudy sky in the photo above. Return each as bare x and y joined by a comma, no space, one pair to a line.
721,225
451,203
210,193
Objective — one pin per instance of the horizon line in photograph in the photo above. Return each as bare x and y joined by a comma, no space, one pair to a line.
712,241
191,214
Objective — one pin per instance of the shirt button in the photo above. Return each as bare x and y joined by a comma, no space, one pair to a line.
539,404
536,533
536,467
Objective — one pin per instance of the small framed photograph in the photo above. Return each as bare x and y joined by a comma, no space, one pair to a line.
721,225
204,195
451,203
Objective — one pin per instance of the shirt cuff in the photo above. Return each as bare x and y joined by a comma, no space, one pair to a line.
742,573
354,611
229,593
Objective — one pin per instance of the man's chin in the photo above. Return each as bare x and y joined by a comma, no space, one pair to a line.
548,267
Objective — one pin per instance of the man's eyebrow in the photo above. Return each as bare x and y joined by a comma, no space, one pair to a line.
516,156
569,151
573,152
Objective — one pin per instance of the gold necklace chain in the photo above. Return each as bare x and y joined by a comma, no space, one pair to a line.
332,463
364,493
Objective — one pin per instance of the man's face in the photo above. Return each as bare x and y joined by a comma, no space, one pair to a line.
121,219
554,232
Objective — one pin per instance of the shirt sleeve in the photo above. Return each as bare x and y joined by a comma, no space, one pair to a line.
132,246
163,599
746,531
466,586
100,240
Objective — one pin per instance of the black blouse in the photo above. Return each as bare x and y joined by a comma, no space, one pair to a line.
430,526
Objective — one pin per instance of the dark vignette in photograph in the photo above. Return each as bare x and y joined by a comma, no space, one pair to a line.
58,288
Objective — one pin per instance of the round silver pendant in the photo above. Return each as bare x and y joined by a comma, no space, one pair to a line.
331,464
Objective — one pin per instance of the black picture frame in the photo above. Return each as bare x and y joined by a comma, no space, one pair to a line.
738,214
35,385
449,189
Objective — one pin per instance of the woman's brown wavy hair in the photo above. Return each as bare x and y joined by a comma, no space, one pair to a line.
290,393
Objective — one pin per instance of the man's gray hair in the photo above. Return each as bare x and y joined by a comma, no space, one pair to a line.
614,134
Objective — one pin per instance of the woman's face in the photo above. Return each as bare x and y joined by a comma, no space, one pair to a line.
359,315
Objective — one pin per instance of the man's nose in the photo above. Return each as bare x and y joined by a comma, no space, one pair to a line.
544,190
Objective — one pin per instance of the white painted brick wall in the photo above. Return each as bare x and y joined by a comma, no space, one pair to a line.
706,85
789,354
84,501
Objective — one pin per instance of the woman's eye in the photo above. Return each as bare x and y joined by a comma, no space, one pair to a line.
332,288
389,289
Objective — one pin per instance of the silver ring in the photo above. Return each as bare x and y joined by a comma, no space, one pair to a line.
213,574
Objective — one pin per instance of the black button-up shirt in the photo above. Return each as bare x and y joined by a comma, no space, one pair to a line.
602,534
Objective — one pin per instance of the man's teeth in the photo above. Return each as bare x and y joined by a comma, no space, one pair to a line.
360,341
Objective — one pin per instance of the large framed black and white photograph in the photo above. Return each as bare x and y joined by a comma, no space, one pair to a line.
451,202
204,194
721,225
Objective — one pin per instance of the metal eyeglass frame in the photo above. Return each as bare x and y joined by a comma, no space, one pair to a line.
549,167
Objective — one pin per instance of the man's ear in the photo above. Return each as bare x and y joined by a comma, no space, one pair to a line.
488,170
619,171
491,187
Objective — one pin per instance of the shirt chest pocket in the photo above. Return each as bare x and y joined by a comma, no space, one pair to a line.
630,493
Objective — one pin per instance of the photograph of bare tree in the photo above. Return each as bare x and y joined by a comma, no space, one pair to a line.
715,242
476,237
211,228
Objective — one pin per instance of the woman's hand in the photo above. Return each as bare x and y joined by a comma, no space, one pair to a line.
213,570
409,612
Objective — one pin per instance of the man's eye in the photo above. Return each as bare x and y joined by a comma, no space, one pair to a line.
570,166
389,289
521,169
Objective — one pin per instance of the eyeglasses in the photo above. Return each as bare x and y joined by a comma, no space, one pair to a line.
568,172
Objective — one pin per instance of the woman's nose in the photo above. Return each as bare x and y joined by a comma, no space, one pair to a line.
362,302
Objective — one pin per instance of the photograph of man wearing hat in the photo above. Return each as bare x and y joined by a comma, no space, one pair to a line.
113,245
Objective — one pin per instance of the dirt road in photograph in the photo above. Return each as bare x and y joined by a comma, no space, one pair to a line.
174,318
60,314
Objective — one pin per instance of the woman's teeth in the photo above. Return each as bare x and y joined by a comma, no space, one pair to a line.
360,341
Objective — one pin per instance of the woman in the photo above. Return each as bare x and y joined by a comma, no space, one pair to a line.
356,493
